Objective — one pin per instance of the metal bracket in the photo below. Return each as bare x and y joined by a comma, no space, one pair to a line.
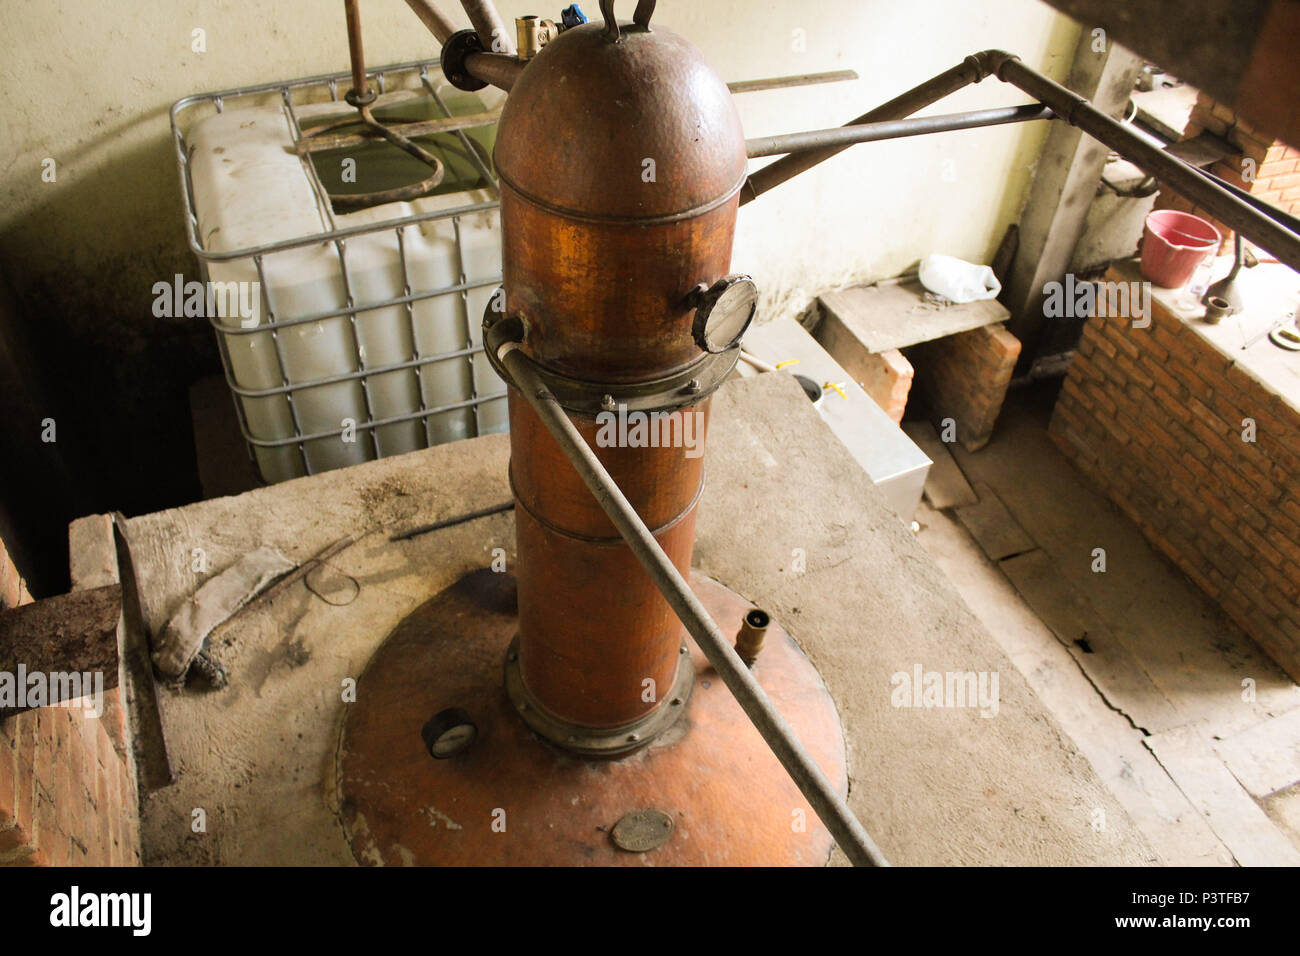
687,387
600,741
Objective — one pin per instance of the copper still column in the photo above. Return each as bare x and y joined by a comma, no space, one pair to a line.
620,157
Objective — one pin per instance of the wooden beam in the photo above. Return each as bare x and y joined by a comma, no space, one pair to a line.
71,634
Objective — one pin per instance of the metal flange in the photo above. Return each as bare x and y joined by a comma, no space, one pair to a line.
454,53
599,741
689,386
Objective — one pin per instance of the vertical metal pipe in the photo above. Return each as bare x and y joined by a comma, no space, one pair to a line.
971,70
432,17
826,802
355,52
489,26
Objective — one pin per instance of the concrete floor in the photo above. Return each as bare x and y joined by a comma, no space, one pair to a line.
788,519
1141,669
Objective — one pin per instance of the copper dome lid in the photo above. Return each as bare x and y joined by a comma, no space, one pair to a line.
621,122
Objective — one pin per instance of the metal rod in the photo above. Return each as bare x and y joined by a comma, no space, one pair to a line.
820,793
1170,170
489,26
786,82
499,69
432,17
892,129
315,142
971,70
354,47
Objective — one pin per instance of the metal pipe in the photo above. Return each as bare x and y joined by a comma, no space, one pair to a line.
829,806
432,17
892,129
1170,170
787,82
489,26
971,70
355,52
749,639
499,69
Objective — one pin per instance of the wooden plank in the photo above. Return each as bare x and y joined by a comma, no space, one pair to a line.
945,485
70,634
895,314
991,525
1265,758
1112,668
1244,828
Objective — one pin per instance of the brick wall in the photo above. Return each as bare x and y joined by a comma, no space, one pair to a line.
1275,177
965,377
67,792
1154,417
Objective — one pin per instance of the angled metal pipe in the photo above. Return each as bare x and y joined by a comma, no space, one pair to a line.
497,69
971,70
821,794
1179,176
842,136
432,17
489,26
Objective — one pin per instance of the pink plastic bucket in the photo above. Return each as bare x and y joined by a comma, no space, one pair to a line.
1173,244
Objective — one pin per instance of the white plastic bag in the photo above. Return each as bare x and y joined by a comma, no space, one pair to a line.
957,280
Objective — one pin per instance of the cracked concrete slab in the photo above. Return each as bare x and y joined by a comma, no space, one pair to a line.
788,519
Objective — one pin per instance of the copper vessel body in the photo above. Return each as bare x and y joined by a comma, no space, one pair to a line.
620,165
593,626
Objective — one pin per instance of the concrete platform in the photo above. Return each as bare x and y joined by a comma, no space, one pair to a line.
788,519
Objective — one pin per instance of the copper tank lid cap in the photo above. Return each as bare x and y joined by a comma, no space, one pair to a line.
618,120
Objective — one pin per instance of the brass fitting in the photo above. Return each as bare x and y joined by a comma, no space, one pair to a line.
532,33
749,640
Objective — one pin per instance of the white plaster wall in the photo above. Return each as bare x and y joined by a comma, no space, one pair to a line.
89,85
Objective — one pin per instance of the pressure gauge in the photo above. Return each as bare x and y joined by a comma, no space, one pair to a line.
448,733
723,312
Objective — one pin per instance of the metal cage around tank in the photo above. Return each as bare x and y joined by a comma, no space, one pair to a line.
321,89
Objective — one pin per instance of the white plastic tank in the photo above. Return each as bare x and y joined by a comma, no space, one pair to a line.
250,188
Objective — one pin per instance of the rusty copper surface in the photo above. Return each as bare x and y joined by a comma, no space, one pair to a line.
620,164
606,301
585,114
585,648
660,483
730,801
593,625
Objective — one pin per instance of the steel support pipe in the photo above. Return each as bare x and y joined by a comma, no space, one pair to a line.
489,26
1253,223
433,18
1151,159
829,806
497,69
842,136
971,70
355,53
